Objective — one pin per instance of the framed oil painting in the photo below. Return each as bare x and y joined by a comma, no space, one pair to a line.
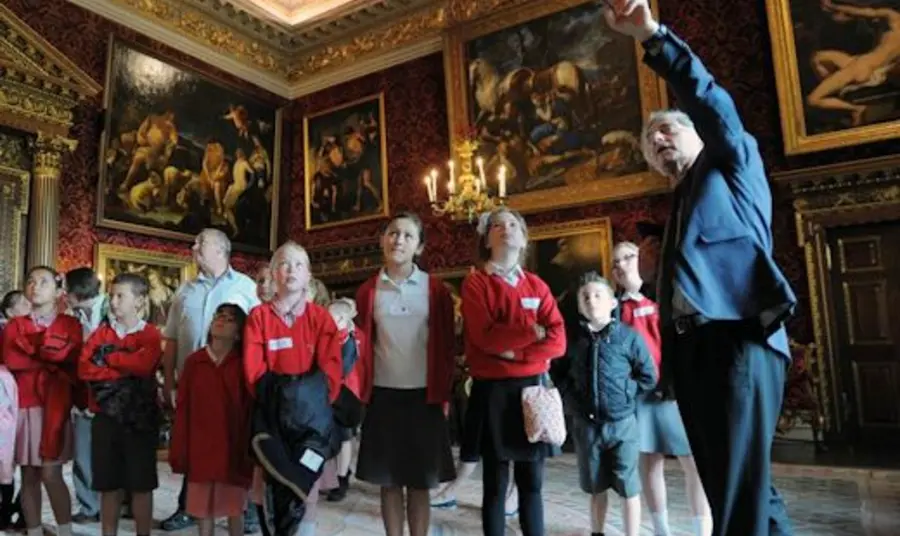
346,163
181,152
165,272
837,69
556,98
561,252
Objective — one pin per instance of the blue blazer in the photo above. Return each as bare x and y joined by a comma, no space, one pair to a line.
723,259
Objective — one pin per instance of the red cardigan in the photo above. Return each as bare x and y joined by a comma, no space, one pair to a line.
211,433
44,363
643,316
441,339
499,317
136,354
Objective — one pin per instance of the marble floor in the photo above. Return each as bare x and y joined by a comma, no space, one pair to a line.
822,501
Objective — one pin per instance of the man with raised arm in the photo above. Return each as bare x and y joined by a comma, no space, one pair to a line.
723,300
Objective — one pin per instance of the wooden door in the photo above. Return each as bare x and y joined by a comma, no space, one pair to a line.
864,262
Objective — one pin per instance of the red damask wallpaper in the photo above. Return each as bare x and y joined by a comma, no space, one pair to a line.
736,49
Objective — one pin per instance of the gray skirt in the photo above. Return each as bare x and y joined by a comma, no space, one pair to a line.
405,442
660,428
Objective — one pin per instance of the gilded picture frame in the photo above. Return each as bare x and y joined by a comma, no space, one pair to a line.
561,252
346,164
181,151
603,163
834,74
165,272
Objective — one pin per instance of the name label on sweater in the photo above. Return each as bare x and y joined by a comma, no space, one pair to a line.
531,303
646,310
283,343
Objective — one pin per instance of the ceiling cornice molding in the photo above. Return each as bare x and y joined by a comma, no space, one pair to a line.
203,51
354,44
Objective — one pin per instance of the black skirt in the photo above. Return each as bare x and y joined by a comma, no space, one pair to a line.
405,442
495,425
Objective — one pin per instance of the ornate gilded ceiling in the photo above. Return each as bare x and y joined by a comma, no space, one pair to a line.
295,47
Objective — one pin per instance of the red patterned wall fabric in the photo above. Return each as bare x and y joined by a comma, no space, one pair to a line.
736,49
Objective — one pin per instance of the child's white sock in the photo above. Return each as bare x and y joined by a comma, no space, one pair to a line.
702,525
37,531
63,530
660,523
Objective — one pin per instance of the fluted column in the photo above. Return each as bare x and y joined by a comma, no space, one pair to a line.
43,224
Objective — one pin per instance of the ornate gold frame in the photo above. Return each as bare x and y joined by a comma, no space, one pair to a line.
652,95
790,96
346,262
309,162
106,252
15,189
827,197
148,230
572,228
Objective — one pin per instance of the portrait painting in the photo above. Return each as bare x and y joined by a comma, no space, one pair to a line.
165,272
837,68
561,253
181,153
346,163
557,99
453,280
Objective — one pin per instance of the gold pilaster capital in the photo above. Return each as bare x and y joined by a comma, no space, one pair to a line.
48,154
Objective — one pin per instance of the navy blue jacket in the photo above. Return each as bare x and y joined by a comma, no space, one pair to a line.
602,373
723,259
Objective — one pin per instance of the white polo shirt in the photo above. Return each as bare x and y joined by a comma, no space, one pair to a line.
401,331
195,303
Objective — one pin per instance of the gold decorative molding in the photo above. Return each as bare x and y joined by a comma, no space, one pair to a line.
48,154
39,86
15,186
292,62
828,197
346,262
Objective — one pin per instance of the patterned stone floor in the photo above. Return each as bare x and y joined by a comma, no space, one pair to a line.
822,502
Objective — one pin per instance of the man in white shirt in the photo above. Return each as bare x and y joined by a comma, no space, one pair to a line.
188,323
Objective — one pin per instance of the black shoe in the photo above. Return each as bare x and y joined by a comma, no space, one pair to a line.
83,519
177,521
339,493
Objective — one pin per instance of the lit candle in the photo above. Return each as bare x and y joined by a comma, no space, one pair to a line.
480,163
501,181
434,176
428,188
451,185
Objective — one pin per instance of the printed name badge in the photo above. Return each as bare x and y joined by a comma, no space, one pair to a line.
280,344
646,310
531,303
311,460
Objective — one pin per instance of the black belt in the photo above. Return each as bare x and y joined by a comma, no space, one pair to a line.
684,325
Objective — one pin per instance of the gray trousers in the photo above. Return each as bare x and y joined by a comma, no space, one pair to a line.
88,499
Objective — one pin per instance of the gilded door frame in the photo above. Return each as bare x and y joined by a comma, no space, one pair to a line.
829,197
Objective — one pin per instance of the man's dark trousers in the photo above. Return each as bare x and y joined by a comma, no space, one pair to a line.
729,385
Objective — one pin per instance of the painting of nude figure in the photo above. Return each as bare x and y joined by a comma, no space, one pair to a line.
181,153
837,65
557,99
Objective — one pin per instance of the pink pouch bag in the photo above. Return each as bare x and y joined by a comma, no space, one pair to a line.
543,412
9,416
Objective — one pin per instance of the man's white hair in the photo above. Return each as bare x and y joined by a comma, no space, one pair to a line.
655,118
219,237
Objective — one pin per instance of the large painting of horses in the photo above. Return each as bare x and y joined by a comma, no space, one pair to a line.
182,153
346,163
556,100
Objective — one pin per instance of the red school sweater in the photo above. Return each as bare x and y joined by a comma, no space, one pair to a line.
499,317
211,433
271,345
136,354
44,362
441,339
643,316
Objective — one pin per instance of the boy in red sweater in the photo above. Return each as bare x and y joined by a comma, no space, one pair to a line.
41,350
211,434
119,364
